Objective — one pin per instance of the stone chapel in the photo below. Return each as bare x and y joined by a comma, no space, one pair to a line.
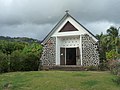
70,43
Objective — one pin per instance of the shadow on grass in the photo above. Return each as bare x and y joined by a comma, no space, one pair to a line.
90,83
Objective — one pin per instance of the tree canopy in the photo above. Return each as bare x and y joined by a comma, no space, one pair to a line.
19,56
109,44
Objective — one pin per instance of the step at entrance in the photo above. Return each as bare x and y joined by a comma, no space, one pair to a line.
64,68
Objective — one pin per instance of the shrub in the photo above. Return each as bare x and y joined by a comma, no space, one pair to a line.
4,62
30,62
23,61
103,66
114,66
16,59
115,69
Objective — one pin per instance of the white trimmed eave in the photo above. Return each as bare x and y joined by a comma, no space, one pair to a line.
72,33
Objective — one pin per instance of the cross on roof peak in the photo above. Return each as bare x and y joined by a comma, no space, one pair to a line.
67,11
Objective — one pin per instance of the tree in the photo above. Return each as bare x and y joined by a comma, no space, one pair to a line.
102,47
113,32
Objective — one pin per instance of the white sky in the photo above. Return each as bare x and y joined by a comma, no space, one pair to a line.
35,18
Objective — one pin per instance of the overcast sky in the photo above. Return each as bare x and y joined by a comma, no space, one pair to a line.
35,18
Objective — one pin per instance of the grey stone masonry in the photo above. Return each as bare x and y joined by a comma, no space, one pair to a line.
90,54
49,52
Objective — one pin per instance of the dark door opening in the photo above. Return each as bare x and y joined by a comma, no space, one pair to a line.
70,56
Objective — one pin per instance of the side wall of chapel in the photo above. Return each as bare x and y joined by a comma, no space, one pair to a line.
90,54
49,52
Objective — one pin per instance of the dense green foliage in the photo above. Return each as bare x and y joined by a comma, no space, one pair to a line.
110,52
3,62
58,80
19,56
109,46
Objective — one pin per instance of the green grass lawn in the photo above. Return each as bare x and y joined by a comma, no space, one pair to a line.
58,80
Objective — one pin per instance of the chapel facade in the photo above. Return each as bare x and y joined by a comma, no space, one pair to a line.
70,43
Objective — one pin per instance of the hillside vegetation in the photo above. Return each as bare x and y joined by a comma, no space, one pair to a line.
19,39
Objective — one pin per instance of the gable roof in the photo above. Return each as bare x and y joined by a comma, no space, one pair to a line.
59,23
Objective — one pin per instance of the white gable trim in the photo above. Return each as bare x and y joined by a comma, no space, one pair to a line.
81,29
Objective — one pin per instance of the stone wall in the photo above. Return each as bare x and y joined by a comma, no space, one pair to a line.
49,52
90,54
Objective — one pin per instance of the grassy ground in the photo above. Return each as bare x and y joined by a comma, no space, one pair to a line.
57,80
